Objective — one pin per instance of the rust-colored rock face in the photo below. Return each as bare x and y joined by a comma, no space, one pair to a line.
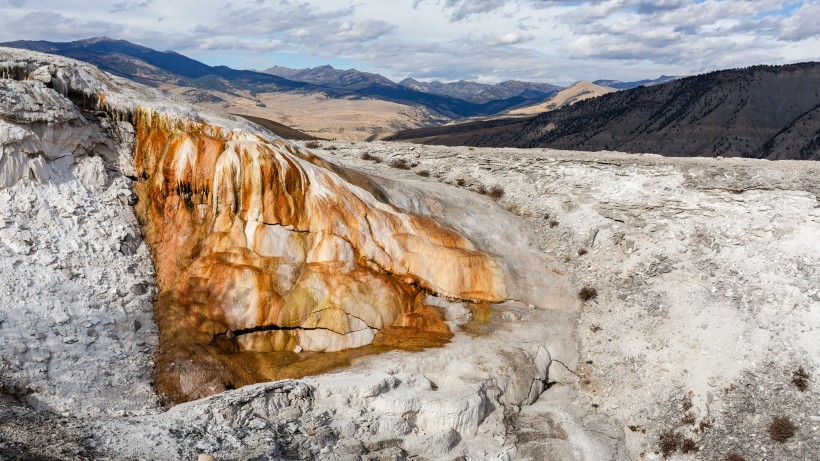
262,252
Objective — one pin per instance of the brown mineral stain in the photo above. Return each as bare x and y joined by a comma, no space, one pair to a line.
262,250
481,322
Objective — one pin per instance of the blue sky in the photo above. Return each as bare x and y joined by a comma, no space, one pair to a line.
485,40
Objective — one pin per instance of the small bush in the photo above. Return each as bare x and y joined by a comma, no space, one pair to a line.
688,446
781,429
312,145
800,379
669,442
734,457
460,182
481,189
372,158
582,251
331,147
587,293
423,173
400,164
687,402
704,424
553,223
496,192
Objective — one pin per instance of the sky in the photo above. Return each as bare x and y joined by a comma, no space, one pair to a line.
489,41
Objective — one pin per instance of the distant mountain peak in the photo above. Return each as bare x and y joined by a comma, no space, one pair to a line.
93,40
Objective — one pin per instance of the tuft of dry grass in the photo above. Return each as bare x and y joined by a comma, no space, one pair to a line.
782,428
734,457
496,192
400,164
582,251
688,446
553,223
669,442
704,424
587,293
372,158
312,145
800,379
423,173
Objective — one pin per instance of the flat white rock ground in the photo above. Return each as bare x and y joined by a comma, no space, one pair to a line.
708,281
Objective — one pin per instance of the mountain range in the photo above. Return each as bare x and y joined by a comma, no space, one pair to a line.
768,112
322,101
146,65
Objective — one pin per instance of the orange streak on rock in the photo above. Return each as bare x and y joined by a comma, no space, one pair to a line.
260,248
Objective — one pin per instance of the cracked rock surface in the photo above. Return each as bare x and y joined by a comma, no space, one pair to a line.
706,275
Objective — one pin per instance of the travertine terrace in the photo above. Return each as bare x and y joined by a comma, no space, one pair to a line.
258,249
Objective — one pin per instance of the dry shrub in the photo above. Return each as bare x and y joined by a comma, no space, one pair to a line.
460,182
587,293
704,424
553,223
688,446
582,251
496,192
372,158
312,145
400,163
669,442
734,457
331,147
423,173
481,189
782,428
800,379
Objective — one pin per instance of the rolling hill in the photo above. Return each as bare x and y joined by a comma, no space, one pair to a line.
768,112
569,95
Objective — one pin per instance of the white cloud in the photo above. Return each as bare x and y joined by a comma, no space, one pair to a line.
510,38
802,24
